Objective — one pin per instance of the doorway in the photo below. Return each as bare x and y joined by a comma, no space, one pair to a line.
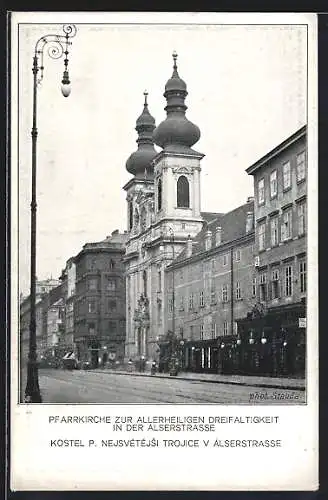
94,358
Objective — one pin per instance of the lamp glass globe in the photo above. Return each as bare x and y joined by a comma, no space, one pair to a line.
66,89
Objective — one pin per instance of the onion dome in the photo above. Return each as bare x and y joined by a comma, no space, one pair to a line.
176,129
139,163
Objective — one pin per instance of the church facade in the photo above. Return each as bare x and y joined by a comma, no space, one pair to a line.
163,208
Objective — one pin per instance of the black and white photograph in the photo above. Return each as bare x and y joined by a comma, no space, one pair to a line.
161,213
174,271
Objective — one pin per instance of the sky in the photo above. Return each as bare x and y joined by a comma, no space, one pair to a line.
246,92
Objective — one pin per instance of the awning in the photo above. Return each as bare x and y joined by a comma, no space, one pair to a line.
69,355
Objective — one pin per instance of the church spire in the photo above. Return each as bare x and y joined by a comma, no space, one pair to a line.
139,162
176,130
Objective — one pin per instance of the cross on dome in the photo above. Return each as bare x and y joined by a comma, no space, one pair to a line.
146,95
175,57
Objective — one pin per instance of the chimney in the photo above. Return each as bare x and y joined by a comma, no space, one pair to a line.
249,222
189,246
208,240
218,236
250,199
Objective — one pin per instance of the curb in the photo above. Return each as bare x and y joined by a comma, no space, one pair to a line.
227,382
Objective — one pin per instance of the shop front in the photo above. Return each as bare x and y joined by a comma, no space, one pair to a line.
171,349
200,356
87,349
273,344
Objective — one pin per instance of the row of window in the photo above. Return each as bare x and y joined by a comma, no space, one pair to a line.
93,304
265,291
110,284
192,272
286,178
282,284
198,331
112,326
286,227
93,264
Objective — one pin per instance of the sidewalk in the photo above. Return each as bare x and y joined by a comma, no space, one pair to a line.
253,381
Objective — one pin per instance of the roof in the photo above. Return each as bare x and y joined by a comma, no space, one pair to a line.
233,225
114,242
277,150
59,302
56,294
211,216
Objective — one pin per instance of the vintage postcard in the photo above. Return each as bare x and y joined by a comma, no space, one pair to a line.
164,251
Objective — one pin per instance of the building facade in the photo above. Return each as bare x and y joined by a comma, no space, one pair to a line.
68,278
43,288
55,323
163,205
280,187
208,288
99,304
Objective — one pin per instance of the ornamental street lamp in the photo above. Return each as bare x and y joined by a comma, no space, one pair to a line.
57,46
263,339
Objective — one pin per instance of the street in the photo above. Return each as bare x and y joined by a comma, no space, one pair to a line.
63,386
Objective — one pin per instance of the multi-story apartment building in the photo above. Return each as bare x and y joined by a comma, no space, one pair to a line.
68,278
43,287
99,306
56,323
280,186
209,286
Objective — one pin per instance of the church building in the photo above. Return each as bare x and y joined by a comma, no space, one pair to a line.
163,208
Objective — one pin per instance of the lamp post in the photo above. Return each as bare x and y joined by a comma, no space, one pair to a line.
57,47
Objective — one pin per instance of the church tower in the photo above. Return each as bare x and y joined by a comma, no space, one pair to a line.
140,209
139,165
163,203
177,166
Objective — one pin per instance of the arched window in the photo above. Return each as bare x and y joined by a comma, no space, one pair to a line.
183,192
159,194
144,276
130,215
111,264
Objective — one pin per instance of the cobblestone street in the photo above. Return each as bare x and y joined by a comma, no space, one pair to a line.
60,386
